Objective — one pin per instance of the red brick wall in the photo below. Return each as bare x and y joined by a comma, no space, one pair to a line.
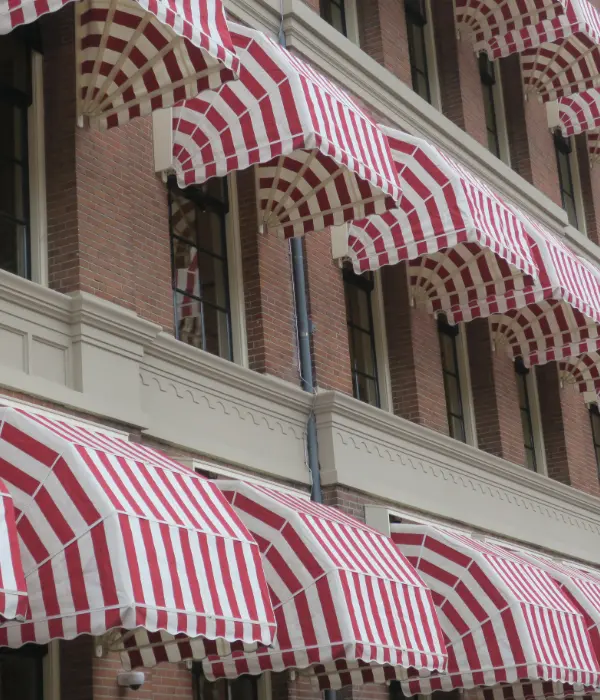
382,27
414,355
108,228
495,398
331,350
268,291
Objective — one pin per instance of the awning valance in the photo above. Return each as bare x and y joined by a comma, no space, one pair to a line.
13,592
135,56
465,245
349,607
116,537
559,42
580,113
505,619
322,161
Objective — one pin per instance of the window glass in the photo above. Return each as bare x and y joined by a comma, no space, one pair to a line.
21,673
416,19
525,409
564,148
334,12
451,374
15,99
487,73
595,418
242,688
199,262
361,336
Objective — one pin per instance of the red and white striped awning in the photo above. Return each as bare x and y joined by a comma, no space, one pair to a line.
116,537
583,371
465,246
322,161
505,619
564,319
580,113
13,592
349,607
135,56
559,42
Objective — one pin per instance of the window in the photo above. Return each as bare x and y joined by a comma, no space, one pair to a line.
205,258
22,167
420,48
495,121
595,419
522,374
15,100
359,291
22,673
452,380
567,177
242,688
342,15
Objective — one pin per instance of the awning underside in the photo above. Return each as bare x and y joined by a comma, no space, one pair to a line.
135,56
321,160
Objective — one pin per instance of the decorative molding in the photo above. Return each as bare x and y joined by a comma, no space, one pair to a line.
410,466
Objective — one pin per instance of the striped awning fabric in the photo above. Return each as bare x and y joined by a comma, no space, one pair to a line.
117,538
13,592
505,619
559,42
322,161
564,320
349,607
467,249
579,114
135,56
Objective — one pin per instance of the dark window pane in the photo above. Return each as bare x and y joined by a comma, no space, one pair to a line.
199,262
361,336
21,674
526,419
450,371
417,51
334,12
565,177
242,688
595,419
15,99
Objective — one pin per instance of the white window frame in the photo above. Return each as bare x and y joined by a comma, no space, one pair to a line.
466,390
536,422
432,64
381,346
575,174
351,14
38,217
51,671
235,276
501,125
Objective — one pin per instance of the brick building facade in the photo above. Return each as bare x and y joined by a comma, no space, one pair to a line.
107,237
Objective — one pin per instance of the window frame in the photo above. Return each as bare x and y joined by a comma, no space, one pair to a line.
595,411
264,688
37,218
567,146
350,278
430,55
497,96
463,377
233,273
350,18
535,416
